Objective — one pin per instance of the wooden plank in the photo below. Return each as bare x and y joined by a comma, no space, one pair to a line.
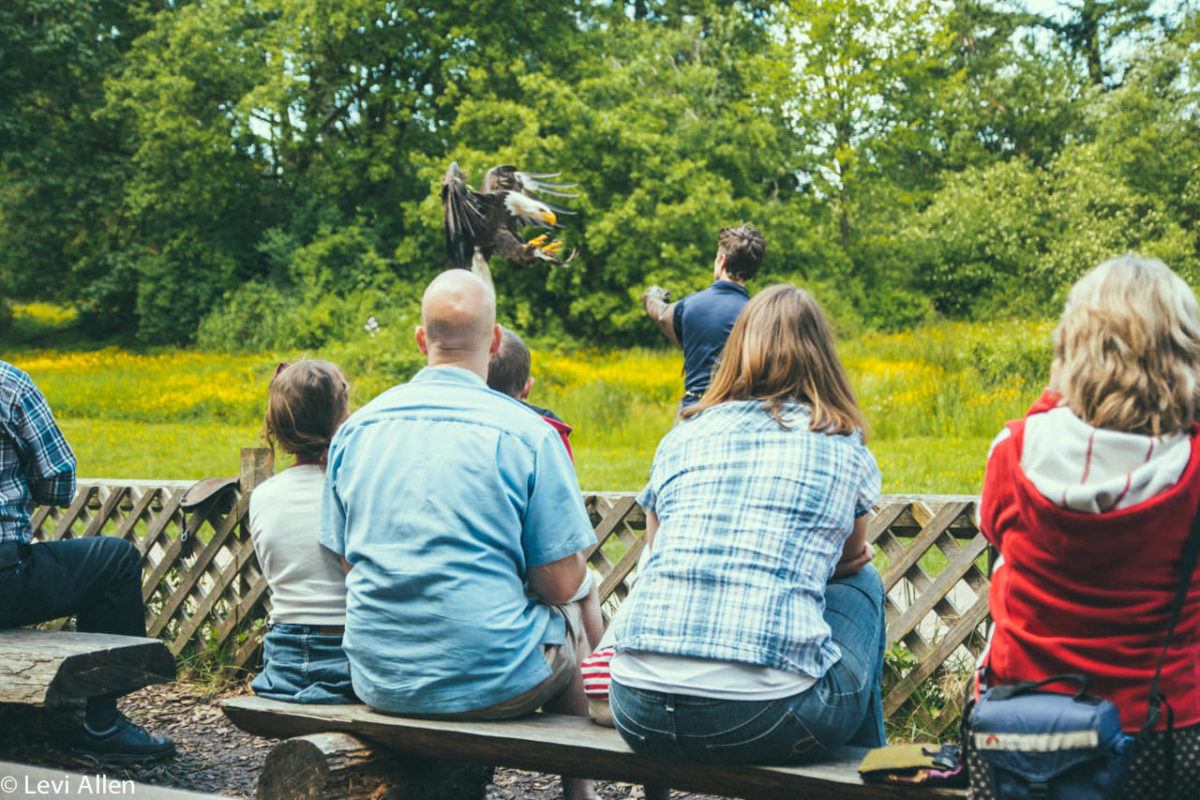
565,745
621,571
77,507
38,519
39,782
936,657
243,552
883,520
188,582
928,535
106,509
170,554
47,667
614,517
136,510
938,590
242,611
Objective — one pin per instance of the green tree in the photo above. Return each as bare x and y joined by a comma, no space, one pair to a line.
63,162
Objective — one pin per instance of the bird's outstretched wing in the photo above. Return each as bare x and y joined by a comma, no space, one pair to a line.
537,183
465,220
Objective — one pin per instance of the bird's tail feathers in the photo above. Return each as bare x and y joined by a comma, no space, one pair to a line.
479,266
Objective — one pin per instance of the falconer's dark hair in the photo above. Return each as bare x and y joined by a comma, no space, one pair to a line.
509,367
306,404
744,249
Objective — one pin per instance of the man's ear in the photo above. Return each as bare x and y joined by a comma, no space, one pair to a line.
527,388
718,265
422,342
497,337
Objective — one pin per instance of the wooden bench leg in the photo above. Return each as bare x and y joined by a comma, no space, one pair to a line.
325,766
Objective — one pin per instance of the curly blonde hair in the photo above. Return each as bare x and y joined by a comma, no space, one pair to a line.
1127,349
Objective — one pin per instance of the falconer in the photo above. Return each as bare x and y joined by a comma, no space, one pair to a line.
700,323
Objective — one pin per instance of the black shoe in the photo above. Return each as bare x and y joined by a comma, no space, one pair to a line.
124,743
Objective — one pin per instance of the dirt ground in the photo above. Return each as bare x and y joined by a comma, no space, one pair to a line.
214,756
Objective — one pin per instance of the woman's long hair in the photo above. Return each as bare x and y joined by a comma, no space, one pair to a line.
781,349
1127,349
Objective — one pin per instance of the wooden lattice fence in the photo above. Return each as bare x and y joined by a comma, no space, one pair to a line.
215,601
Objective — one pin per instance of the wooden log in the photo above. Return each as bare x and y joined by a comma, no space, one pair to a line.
325,765
328,766
50,667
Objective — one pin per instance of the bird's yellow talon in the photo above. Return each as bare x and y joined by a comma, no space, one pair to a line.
539,240
553,247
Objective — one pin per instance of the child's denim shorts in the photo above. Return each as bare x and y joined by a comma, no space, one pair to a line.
302,665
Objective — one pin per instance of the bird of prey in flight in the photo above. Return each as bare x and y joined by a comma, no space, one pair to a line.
489,221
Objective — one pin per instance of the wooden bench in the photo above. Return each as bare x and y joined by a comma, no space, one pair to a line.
52,667
545,742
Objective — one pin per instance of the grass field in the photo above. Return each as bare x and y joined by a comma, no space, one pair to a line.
934,398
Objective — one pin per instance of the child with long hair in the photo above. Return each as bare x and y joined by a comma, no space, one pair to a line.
758,632
303,660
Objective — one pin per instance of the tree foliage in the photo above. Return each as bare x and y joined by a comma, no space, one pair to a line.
264,172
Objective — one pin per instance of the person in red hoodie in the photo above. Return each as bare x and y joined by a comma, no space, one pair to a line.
509,373
1089,500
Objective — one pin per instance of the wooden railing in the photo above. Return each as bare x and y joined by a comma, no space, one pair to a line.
931,555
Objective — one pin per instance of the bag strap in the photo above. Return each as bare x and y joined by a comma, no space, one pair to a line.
1191,550
1024,687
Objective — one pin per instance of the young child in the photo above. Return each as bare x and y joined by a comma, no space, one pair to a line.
508,373
303,660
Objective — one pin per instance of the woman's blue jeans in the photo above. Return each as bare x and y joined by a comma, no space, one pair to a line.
843,707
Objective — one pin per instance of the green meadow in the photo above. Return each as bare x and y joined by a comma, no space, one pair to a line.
934,397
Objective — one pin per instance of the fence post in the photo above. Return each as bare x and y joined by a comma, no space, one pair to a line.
258,464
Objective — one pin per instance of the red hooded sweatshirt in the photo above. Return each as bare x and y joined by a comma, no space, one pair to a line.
564,432
1091,592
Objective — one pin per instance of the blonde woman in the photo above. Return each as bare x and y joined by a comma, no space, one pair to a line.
1089,499
758,633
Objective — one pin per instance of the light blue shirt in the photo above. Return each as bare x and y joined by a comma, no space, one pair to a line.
442,493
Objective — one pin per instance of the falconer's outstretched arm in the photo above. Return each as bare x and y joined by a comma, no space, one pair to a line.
658,305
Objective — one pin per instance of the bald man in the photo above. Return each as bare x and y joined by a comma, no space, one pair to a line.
459,514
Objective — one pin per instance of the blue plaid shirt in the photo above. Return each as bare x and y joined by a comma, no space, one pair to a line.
752,522
36,463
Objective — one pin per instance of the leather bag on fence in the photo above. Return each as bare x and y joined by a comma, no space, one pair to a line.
202,499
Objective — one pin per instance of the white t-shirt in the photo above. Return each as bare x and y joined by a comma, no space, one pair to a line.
705,677
308,586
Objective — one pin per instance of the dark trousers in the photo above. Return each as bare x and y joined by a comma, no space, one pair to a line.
96,579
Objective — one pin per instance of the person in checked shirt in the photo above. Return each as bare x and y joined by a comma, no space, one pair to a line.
758,632
96,579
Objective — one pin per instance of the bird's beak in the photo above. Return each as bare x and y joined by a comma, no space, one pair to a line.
550,218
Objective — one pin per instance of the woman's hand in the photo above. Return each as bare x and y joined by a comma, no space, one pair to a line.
851,565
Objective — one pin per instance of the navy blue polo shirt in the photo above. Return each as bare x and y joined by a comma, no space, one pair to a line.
702,324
